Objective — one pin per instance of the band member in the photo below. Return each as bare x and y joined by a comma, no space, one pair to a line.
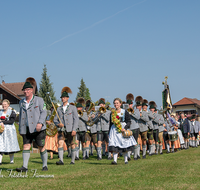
155,122
82,127
134,116
91,130
120,121
195,130
102,127
150,126
143,126
165,133
161,128
32,125
185,128
67,123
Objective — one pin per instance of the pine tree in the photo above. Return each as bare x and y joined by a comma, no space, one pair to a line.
83,91
46,86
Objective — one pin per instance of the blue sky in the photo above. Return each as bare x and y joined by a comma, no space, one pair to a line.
116,46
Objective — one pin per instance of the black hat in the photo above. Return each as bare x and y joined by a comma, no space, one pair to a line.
65,92
129,98
145,102
152,105
30,83
139,100
102,101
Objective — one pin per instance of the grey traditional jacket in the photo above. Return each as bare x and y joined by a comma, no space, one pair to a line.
195,127
167,123
143,121
134,119
149,123
69,118
36,113
161,122
104,121
92,129
82,123
155,121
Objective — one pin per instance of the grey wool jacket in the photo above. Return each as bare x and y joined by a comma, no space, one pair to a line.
69,118
82,126
36,113
143,121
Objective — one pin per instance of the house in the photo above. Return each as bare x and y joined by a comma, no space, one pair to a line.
187,105
13,92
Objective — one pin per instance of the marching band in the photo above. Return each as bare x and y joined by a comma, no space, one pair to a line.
129,128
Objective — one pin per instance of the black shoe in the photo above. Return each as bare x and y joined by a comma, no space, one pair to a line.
59,162
103,155
99,158
172,152
156,153
87,157
84,158
45,168
126,162
72,163
144,157
91,154
114,163
22,169
150,154
135,159
0,163
50,158
161,153
167,152
138,157
129,159
109,158
76,158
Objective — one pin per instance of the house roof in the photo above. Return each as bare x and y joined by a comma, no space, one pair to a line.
9,91
15,87
187,101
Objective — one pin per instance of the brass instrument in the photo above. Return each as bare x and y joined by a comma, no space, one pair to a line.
130,111
80,113
90,108
91,121
51,129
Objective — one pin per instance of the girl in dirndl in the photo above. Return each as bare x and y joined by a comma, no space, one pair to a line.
8,139
120,121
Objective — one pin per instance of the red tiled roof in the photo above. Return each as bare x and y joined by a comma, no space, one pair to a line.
9,91
187,101
15,87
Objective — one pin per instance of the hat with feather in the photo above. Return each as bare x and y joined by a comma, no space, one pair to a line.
152,105
102,101
145,102
80,101
65,92
30,83
87,103
129,98
139,100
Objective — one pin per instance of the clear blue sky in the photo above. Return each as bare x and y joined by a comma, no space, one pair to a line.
116,46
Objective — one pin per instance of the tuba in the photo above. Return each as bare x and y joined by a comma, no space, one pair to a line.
130,111
51,129
80,113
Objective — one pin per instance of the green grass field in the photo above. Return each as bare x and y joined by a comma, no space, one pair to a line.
180,170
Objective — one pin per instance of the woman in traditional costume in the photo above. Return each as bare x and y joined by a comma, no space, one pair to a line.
120,121
8,138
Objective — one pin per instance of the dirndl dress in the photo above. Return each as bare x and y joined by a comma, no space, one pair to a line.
8,139
117,143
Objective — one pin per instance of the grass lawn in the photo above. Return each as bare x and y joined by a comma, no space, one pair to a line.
168,171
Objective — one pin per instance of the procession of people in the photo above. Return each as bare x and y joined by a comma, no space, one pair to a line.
129,129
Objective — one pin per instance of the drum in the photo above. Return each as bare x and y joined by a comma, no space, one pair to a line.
173,136
127,133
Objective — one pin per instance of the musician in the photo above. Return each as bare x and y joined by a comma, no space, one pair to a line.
102,127
155,122
91,135
67,123
161,128
150,126
195,130
143,126
117,143
82,127
165,133
134,127
185,128
32,125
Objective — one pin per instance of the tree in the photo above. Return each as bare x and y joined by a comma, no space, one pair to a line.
46,86
83,91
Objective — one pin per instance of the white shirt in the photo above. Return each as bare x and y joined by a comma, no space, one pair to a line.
27,105
65,107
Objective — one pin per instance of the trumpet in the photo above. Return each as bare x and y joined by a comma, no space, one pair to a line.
130,110
80,113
